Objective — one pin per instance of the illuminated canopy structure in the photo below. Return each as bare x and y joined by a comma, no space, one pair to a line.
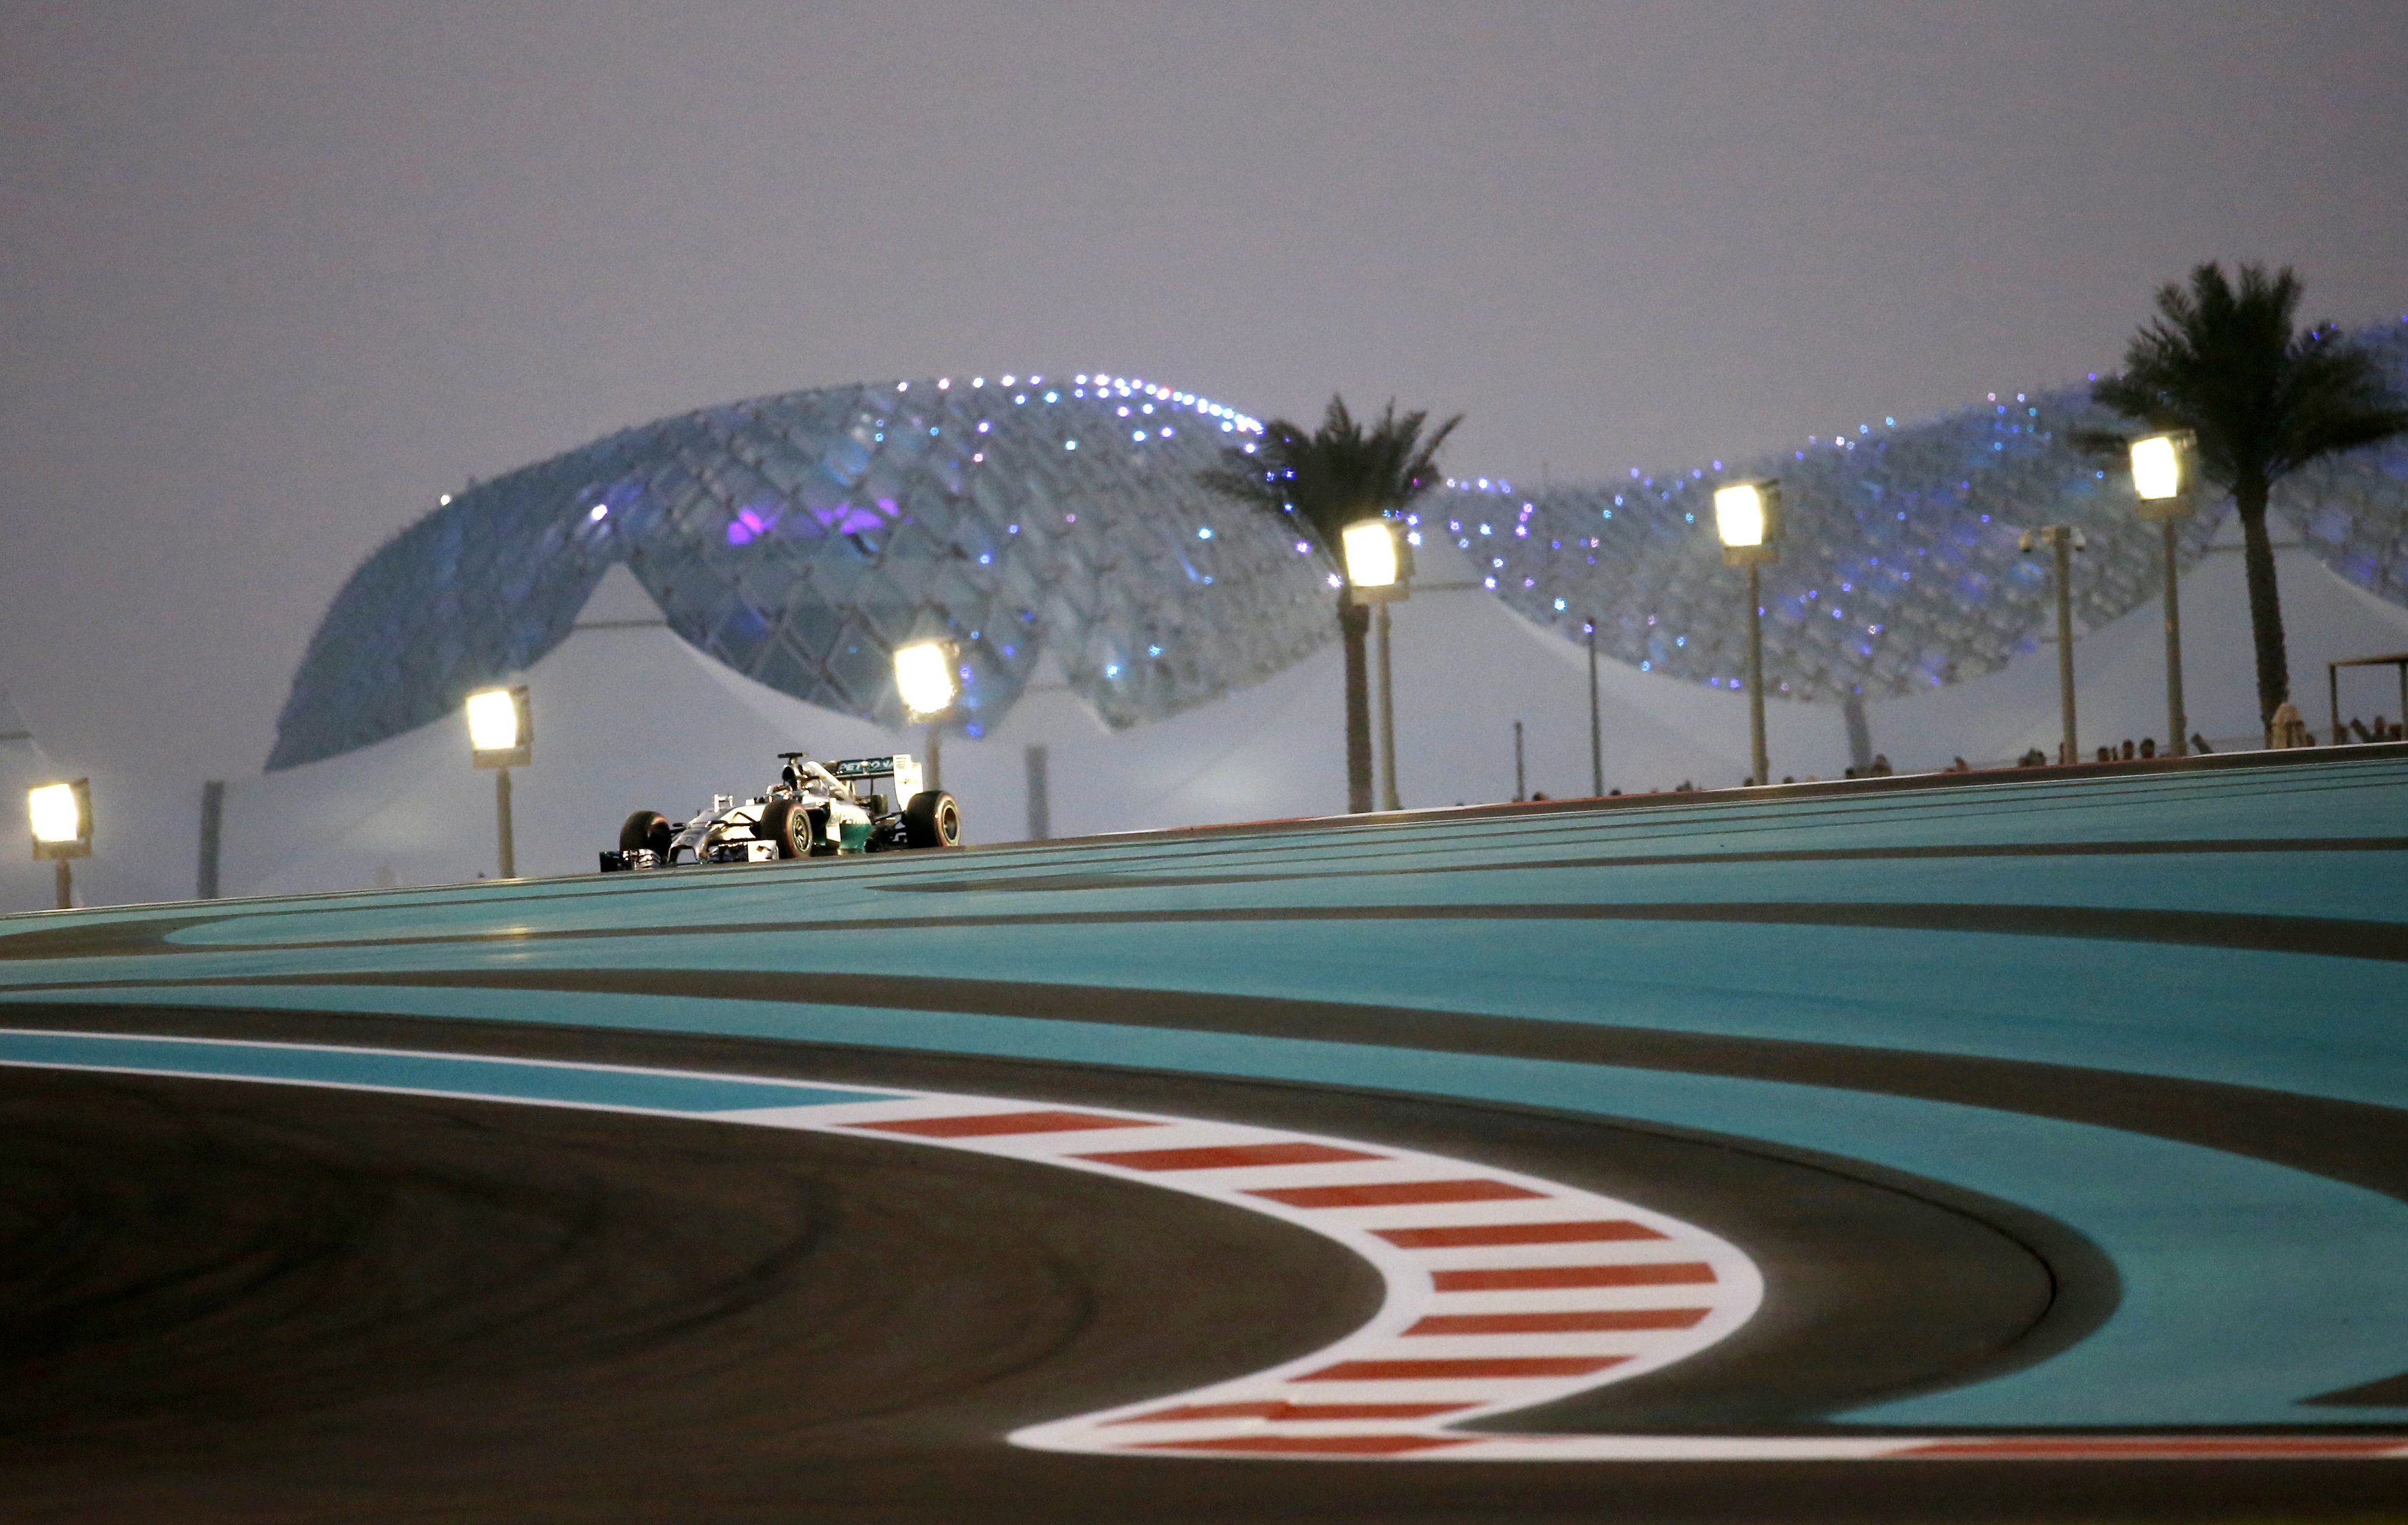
801,538
1900,570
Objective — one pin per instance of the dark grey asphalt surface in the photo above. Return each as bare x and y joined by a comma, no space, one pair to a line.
2085,1094
229,1301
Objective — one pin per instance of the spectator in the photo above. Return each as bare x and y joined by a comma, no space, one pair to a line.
2128,748
1960,766
2106,754
1788,777
2287,729
2148,746
1881,768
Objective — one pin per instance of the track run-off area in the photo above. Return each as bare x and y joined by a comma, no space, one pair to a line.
2017,1147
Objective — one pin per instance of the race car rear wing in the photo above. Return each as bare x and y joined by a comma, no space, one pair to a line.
902,767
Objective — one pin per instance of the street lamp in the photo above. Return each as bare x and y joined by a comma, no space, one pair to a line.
1379,572
1747,516
501,735
1596,733
2065,540
61,817
2165,474
923,675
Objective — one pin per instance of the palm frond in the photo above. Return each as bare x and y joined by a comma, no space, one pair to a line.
1331,477
2227,362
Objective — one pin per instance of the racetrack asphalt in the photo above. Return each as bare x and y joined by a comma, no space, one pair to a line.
2061,1106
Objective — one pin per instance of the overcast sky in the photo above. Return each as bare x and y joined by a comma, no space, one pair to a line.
275,276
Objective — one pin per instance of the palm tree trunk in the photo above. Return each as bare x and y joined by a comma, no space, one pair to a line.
2265,599
1354,621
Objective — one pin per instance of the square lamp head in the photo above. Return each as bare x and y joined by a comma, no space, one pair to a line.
501,728
923,675
61,816
2165,473
1747,517
1378,563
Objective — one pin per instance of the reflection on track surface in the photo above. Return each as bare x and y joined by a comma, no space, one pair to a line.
2132,1039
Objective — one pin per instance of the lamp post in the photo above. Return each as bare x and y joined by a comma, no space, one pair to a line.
924,676
2165,475
61,817
1747,517
501,735
2064,540
1596,733
1379,572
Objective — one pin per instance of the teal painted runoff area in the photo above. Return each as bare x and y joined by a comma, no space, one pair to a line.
2248,1286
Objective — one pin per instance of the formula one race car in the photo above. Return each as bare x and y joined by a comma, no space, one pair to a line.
813,812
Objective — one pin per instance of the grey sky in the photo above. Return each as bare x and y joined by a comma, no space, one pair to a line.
276,276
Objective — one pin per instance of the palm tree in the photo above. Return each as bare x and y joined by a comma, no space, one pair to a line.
2264,400
1319,483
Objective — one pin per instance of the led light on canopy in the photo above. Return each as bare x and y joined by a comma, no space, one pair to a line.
501,733
923,675
61,817
1747,517
2164,473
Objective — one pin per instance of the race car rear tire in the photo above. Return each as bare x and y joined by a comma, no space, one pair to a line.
646,829
788,827
932,820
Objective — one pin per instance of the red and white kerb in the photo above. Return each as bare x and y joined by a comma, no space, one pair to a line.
1502,1290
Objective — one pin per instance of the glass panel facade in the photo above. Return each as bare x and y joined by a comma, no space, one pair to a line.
800,538
1900,566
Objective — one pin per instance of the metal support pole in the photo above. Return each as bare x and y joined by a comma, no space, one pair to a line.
1041,805
936,769
2175,720
2061,538
1521,787
212,824
65,878
1756,758
1388,717
1596,735
502,823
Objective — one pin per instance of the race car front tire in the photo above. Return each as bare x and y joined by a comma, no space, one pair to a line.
788,827
932,820
647,829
